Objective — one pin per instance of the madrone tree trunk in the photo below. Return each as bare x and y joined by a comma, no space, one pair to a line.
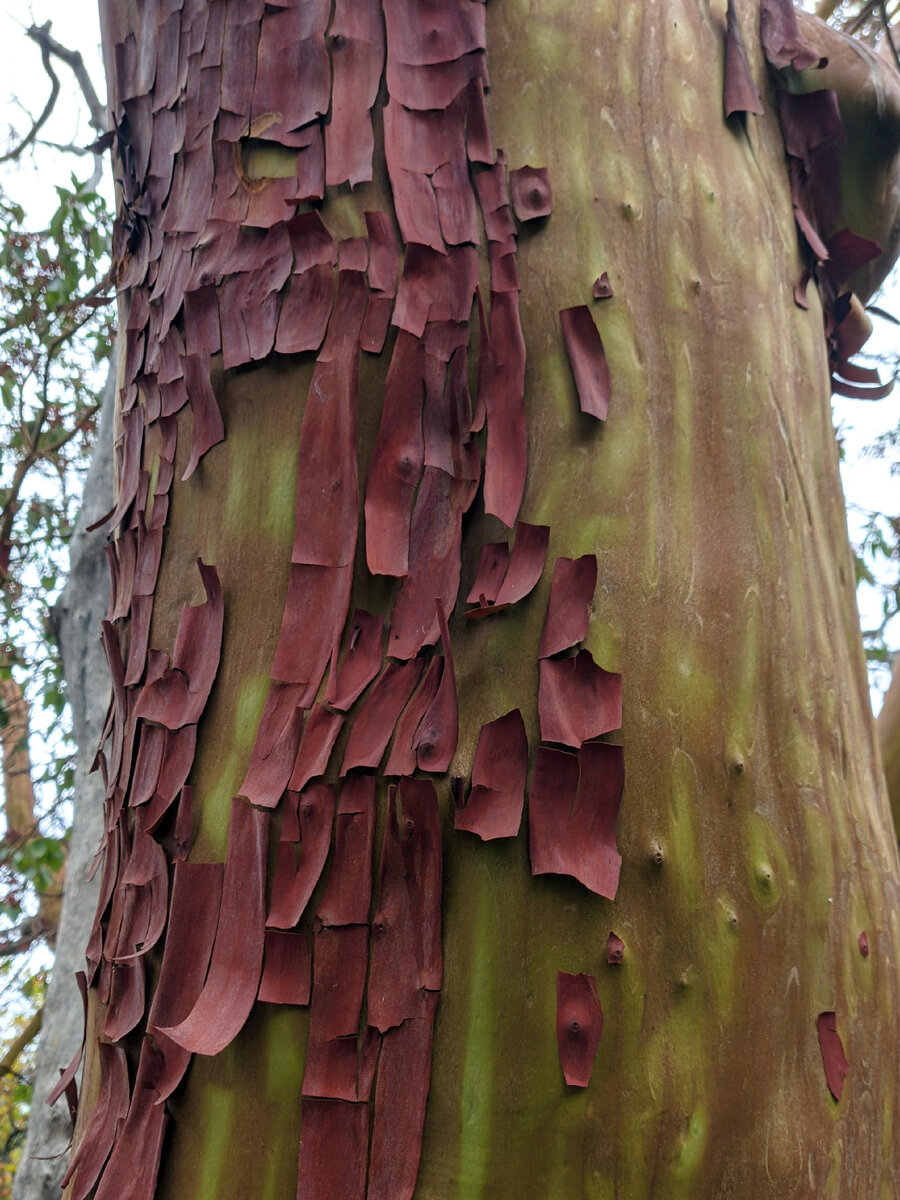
558,475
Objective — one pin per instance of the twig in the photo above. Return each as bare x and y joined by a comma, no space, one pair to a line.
28,1034
38,124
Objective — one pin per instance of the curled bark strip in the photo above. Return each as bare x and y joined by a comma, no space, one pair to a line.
397,461
588,360
402,758
436,737
104,1123
356,38
380,711
569,606
435,287
194,917
134,1163
348,893
492,566
577,700
572,810
404,1078
741,93
833,1059
783,44
579,1024
141,612
435,542
234,971
275,748
314,611
847,252
126,997
526,562
147,763
287,968
68,1075
339,977
494,806
334,1144
291,47
405,958
319,735
361,664
800,290
207,429
447,415
615,950
532,196
295,881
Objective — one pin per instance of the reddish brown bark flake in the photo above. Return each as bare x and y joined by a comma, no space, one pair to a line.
339,976
334,1143
314,611
436,737
207,429
379,713
147,763
126,999
494,807
741,93
234,971
134,1163
67,1077
435,542
588,360
579,1024
532,196
577,700
526,563
615,950
314,751
506,456
573,803
348,893
295,881
492,567
864,944
291,47
396,461
404,1078
836,1066
569,606
356,39
447,414
783,43
406,930
287,968
361,664
602,289
402,758
104,1123
275,747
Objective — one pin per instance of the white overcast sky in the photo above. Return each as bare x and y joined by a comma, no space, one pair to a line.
868,482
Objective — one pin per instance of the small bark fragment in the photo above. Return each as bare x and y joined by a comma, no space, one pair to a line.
833,1058
381,709
494,807
275,748
319,735
615,950
348,894
361,661
436,737
104,1123
579,1024
569,606
532,196
602,289
287,968
741,93
334,1142
577,700
295,881
588,360
134,1163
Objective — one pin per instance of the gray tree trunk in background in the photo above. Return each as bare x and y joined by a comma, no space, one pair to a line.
77,617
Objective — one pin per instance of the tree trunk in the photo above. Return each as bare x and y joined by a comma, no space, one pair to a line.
755,908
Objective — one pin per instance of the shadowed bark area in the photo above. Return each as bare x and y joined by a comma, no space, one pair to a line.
469,1034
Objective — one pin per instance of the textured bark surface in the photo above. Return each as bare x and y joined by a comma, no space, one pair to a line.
751,846
77,621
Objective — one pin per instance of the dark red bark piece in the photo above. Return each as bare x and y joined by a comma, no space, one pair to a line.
287,968
847,253
602,289
147,763
377,322
127,998
384,252
579,1023
103,1124
436,737
404,1078
201,321
319,735
361,664
492,567
178,757
836,1066
569,606
128,467
234,971
506,457
423,32
578,700
494,806
314,611
526,562
406,958
435,287
479,146
378,715
334,1143
356,38
864,944
783,43
572,815
435,542
207,429
275,747
295,882
447,415
146,881
532,196
588,360
134,1163
741,93
339,976
615,950
861,393
305,309
348,893
291,47
141,611
396,461
67,1077
800,290
402,758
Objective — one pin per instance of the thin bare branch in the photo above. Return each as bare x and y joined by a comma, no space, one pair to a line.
28,1034
40,121
74,61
